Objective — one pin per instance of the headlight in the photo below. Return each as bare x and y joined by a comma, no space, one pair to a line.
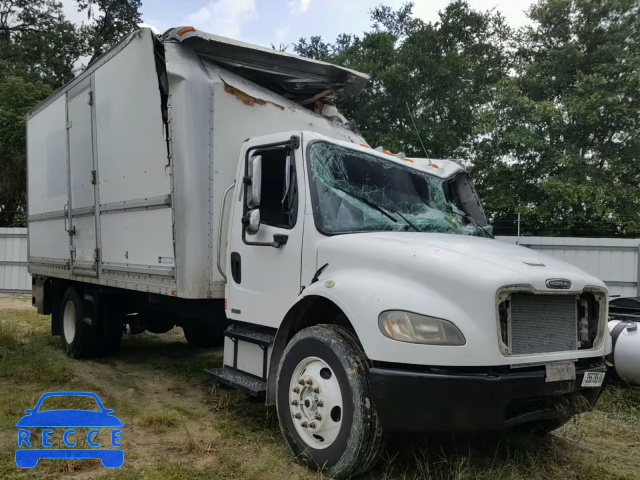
413,328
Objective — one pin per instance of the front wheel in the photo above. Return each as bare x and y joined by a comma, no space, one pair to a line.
324,406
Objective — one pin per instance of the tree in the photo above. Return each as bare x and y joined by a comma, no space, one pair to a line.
110,21
37,42
441,72
561,141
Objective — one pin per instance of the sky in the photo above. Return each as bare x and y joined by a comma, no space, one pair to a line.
266,22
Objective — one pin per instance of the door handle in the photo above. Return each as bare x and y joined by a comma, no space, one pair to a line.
236,267
67,221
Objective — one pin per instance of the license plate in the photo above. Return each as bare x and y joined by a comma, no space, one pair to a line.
559,372
593,379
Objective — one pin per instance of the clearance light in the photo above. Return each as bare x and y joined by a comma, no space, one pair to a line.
365,146
387,152
184,30
408,160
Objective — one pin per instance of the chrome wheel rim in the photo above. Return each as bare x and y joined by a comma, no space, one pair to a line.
315,403
69,322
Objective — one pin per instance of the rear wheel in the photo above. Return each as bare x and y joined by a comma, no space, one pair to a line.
78,336
325,409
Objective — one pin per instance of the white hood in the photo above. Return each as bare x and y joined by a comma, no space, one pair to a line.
444,257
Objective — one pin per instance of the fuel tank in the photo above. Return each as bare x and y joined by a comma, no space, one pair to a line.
625,335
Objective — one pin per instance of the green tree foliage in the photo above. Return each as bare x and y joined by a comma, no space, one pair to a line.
40,50
442,72
561,140
548,117
111,20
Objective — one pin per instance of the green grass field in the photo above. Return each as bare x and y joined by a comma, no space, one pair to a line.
179,425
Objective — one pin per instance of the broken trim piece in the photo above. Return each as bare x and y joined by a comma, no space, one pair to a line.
246,98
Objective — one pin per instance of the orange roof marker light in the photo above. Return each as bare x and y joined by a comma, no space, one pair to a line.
408,160
184,30
387,152
433,165
365,146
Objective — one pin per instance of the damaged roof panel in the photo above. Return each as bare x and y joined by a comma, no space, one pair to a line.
294,77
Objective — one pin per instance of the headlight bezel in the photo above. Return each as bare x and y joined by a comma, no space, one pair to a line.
449,335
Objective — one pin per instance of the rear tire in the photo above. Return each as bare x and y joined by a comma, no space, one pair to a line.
204,333
326,413
78,336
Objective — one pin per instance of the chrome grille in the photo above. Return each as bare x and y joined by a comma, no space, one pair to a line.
543,323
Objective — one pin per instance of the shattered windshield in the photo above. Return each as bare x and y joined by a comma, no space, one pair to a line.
355,192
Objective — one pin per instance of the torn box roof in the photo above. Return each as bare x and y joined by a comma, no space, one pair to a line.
301,79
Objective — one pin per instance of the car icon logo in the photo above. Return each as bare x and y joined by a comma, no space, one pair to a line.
28,452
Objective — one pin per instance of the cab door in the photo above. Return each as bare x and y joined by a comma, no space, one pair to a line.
264,257
81,218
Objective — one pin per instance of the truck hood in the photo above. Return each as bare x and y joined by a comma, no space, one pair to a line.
441,257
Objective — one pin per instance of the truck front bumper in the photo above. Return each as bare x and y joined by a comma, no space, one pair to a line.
442,399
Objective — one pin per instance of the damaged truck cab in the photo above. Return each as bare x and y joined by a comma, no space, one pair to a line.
359,291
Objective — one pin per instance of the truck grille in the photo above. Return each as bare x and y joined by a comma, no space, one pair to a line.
543,323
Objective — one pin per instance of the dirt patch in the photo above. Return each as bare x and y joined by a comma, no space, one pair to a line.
10,301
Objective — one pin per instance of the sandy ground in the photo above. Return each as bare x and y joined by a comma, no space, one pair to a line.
15,301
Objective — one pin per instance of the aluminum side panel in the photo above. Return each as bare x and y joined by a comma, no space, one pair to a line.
139,238
47,169
132,152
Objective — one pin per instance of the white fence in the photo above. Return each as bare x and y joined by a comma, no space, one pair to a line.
616,261
14,277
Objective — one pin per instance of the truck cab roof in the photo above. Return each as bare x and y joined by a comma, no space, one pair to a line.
443,168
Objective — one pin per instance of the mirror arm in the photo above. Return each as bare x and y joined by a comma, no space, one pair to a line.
255,244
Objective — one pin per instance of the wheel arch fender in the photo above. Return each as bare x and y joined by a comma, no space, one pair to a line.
360,295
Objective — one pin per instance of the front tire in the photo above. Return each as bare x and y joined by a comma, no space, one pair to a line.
78,337
324,405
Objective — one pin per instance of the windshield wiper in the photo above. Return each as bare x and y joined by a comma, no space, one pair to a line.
404,218
472,220
368,203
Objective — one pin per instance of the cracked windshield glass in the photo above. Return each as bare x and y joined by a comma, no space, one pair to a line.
355,192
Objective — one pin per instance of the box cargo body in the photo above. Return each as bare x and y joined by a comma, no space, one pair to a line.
119,195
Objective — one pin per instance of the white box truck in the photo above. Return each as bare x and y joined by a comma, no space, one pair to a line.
188,179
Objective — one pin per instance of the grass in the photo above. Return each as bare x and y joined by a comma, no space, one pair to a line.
178,424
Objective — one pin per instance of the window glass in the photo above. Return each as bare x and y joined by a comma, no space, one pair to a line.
354,192
279,200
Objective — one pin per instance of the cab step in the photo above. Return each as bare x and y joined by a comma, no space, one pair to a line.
256,335
247,353
239,380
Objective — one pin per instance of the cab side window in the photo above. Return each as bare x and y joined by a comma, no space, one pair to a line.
279,200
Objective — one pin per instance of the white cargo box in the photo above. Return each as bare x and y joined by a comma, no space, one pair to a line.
128,163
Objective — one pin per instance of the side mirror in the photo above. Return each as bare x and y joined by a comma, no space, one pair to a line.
251,221
254,191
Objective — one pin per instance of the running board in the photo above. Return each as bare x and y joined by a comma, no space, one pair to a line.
239,380
247,354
